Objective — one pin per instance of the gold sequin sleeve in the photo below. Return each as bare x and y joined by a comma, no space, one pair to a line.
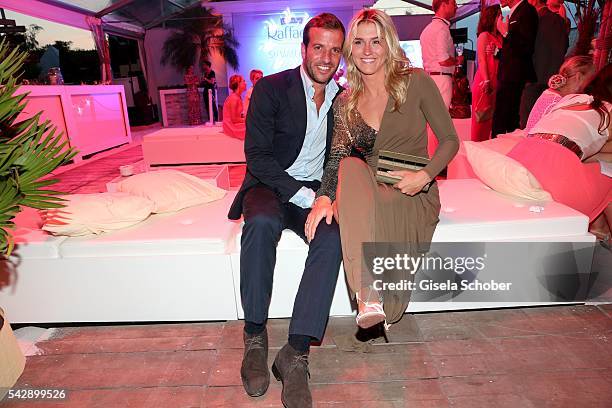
340,148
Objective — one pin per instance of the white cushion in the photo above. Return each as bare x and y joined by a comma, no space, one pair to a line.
96,213
196,230
170,190
504,174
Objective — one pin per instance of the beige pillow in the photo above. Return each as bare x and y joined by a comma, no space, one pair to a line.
171,190
96,213
504,174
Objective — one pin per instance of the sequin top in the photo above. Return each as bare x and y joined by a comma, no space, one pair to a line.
403,131
357,138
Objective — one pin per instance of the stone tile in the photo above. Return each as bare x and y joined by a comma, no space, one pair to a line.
226,369
449,366
511,316
568,319
234,396
502,323
438,319
541,361
476,385
577,388
362,404
139,331
358,393
492,400
450,333
76,371
103,345
462,347
390,404
385,363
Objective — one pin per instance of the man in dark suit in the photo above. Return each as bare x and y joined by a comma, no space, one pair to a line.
288,137
516,65
551,45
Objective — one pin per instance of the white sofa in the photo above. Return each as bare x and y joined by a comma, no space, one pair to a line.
191,145
185,266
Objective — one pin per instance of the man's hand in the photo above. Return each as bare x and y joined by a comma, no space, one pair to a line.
502,25
322,208
411,182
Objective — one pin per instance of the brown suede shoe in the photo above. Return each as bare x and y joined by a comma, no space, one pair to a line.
291,367
254,371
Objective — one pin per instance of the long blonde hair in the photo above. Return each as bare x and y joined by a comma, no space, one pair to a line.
397,66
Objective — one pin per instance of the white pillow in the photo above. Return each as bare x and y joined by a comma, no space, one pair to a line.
504,174
96,213
171,190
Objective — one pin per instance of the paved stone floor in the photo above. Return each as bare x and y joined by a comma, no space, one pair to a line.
530,357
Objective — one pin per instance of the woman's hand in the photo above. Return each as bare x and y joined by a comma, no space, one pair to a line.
411,182
486,87
322,208
335,210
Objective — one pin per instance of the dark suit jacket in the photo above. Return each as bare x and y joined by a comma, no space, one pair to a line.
275,131
551,44
516,63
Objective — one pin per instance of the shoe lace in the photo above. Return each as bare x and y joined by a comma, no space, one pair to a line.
301,360
255,342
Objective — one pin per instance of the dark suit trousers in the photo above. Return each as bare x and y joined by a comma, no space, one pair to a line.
508,101
214,103
265,218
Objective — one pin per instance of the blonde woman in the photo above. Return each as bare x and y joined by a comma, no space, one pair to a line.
388,107
574,74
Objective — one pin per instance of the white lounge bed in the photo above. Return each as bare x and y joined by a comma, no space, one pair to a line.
185,266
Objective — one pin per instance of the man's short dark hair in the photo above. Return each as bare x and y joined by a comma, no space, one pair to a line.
436,4
326,21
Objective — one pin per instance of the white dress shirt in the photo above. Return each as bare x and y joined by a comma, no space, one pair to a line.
309,164
437,45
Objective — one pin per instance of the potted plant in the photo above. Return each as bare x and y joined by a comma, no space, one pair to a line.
29,150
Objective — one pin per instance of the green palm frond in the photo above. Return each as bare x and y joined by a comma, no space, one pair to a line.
197,28
30,149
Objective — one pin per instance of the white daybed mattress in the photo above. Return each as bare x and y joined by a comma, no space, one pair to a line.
185,266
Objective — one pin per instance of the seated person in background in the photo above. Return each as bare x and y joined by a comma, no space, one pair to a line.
233,116
564,148
255,75
573,75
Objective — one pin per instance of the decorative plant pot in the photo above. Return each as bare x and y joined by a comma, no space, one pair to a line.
12,361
